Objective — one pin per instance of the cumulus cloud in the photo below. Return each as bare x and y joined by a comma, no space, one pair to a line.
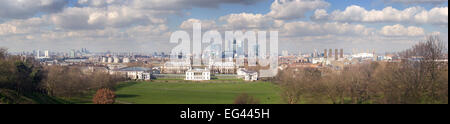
76,18
400,30
416,15
437,16
99,14
246,20
16,27
166,4
417,1
302,28
100,3
140,23
292,9
206,24
21,9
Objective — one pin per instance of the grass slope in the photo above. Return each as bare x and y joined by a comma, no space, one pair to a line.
186,92
12,97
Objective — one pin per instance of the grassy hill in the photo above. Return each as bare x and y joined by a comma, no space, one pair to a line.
186,92
12,97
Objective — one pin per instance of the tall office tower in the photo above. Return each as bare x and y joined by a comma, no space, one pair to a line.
38,54
104,59
342,53
72,53
47,55
330,53
315,53
234,48
336,54
116,60
325,53
256,49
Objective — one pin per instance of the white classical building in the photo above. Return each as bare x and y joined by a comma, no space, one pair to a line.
247,75
363,55
134,73
198,74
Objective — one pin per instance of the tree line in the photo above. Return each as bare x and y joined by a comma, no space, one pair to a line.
423,80
26,75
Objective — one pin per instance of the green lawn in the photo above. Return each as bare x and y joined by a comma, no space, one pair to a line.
186,92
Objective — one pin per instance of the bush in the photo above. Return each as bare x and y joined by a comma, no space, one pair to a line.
245,99
104,96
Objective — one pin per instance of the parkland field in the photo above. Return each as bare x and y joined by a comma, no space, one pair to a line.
187,92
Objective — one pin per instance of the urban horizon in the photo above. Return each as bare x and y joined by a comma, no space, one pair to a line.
189,52
304,25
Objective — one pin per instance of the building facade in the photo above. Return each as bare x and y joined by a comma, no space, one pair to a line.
134,73
198,74
247,75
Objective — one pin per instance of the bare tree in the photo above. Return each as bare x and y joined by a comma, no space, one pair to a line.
3,53
295,83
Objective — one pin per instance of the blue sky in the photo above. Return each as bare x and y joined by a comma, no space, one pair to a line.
264,7
146,25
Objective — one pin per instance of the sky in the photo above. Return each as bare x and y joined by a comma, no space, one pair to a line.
146,25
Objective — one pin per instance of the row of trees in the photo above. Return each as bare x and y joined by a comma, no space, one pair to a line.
25,76
18,74
72,81
423,80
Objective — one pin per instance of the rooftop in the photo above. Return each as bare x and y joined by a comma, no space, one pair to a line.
134,69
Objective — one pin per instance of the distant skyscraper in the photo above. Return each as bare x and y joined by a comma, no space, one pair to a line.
47,54
325,53
256,48
336,54
234,48
342,53
72,54
330,54
38,54
315,53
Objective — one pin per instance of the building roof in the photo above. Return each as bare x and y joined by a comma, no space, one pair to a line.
198,70
247,71
134,69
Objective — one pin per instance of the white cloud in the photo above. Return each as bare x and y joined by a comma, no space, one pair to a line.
417,1
292,9
416,15
21,9
400,30
100,3
320,14
206,24
438,16
246,20
16,27
140,24
166,4
298,29
98,18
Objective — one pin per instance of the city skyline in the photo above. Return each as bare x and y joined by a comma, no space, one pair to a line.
145,26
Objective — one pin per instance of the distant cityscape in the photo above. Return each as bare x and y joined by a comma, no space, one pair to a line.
137,66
